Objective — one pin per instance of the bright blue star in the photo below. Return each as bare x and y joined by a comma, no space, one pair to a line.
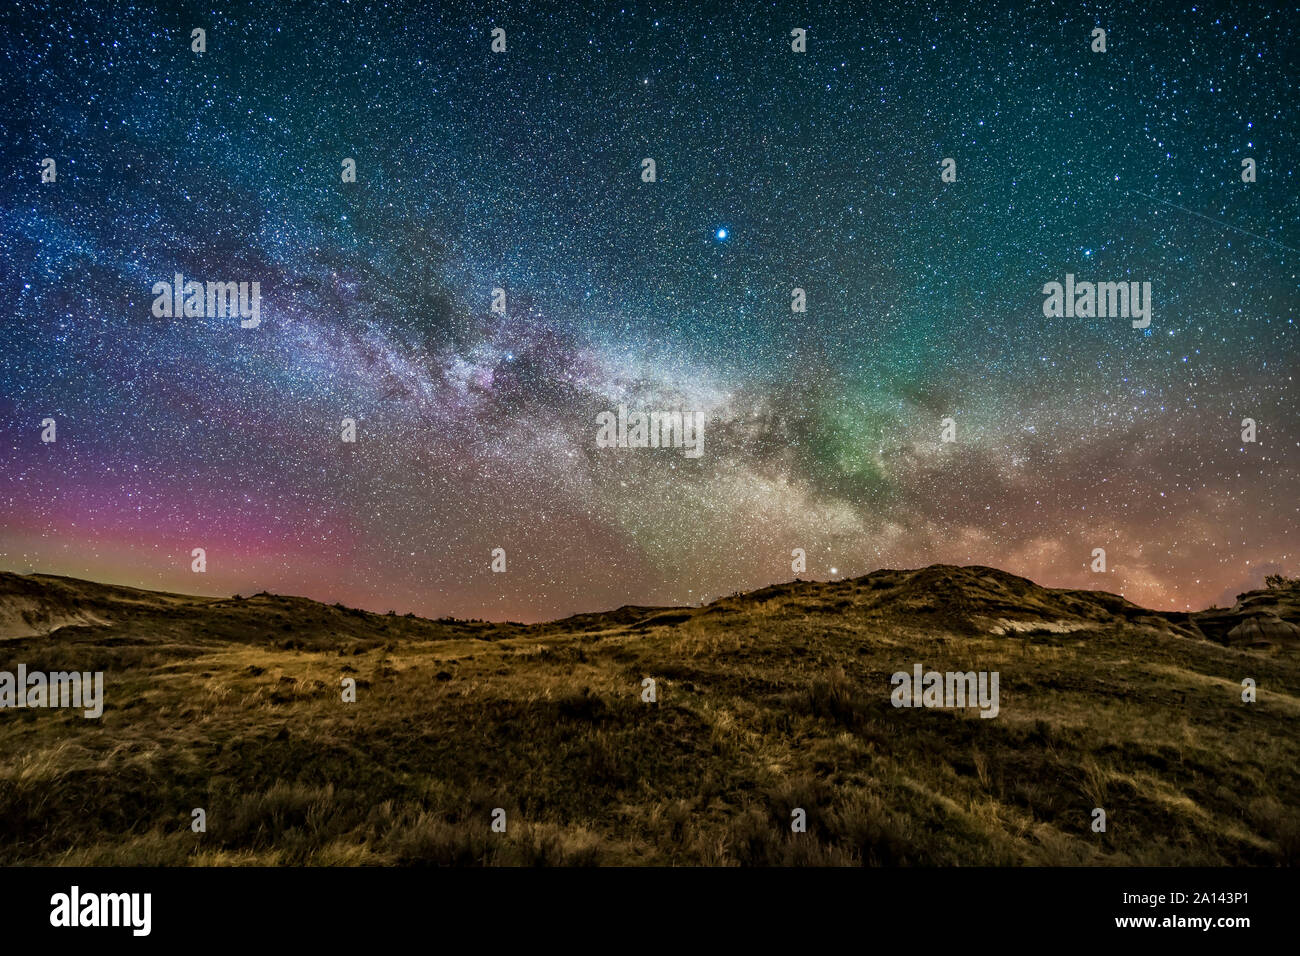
721,234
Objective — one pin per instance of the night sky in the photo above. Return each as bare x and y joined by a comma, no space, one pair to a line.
522,170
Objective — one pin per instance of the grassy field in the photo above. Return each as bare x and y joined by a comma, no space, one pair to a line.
767,702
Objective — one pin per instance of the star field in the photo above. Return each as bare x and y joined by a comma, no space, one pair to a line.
522,171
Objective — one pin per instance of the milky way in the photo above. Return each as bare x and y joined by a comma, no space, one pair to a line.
523,171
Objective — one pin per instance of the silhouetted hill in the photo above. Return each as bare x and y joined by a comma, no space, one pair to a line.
664,735
971,599
39,604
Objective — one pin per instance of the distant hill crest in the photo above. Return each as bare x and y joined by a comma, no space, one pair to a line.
970,599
